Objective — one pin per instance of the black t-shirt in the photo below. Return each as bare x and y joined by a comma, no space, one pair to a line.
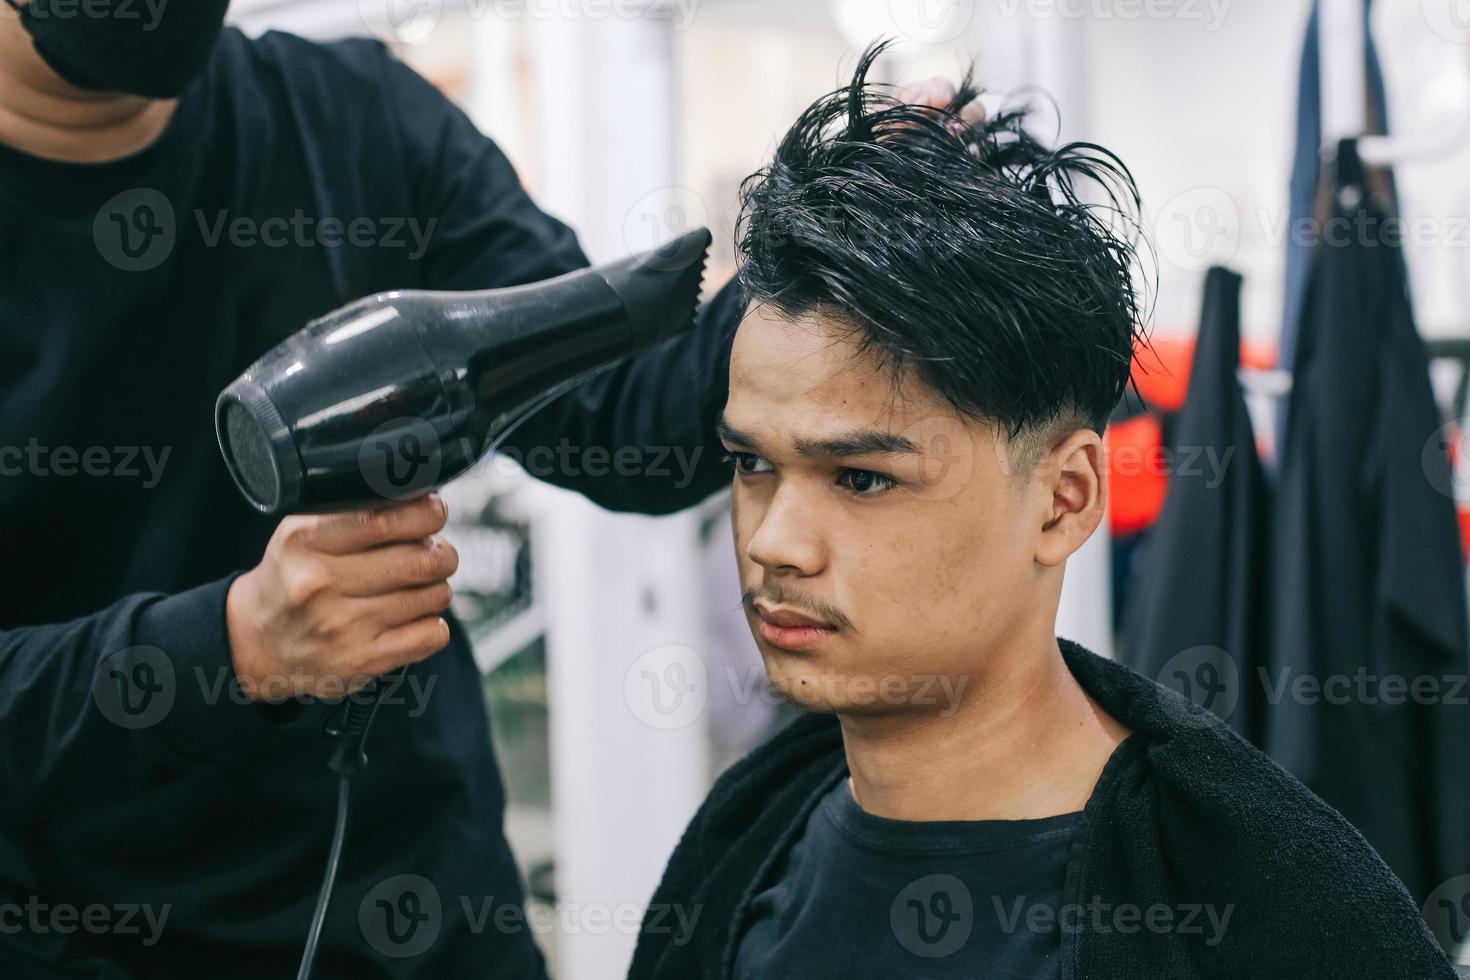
293,178
861,896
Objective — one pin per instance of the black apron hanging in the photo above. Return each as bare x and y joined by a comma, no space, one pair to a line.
1194,622
1368,590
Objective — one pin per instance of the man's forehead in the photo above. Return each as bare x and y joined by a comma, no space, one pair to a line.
802,385
767,333
818,358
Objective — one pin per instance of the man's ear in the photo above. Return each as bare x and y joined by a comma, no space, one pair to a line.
1073,493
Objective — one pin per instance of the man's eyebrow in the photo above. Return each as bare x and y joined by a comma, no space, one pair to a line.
858,442
729,433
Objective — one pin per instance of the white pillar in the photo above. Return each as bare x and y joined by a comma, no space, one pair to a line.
622,593
629,761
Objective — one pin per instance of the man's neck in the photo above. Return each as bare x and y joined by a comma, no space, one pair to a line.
44,115
1023,741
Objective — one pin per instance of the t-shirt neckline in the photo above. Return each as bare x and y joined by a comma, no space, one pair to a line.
68,184
912,836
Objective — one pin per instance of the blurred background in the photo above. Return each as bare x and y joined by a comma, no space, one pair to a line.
617,664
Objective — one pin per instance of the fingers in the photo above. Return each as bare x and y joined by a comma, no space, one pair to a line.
409,605
411,642
393,630
359,530
392,567
379,634
937,93
355,621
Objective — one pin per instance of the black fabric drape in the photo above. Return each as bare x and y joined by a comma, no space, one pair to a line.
1195,622
1368,596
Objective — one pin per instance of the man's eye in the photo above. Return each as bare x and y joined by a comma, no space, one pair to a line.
866,483
746,462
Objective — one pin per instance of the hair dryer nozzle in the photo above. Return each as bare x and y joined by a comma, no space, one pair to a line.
660,289
400,392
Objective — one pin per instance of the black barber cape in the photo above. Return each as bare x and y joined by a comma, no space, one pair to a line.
1187,818
151,824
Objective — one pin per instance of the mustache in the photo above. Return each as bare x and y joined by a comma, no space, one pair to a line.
778,596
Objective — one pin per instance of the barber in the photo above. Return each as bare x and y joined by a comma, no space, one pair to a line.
166,656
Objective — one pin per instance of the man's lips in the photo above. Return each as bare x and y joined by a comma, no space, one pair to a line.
788,617
791,630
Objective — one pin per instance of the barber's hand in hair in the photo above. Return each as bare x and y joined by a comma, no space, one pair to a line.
938,93
339,598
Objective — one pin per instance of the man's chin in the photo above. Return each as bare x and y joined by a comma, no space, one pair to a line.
802,682
793,677
829,693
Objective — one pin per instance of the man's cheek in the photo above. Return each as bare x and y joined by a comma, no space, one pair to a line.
738,529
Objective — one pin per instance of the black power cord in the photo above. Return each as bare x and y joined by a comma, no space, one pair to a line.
347,758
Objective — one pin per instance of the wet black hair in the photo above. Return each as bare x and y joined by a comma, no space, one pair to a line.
966,251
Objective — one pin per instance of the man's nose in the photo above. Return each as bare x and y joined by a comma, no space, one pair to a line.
788,539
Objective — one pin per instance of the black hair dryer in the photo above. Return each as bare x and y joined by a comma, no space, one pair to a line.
400,392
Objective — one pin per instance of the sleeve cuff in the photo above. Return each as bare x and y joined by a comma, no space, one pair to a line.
210,716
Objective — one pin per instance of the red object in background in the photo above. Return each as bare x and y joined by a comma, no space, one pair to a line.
1137,477
1161,372
1462,507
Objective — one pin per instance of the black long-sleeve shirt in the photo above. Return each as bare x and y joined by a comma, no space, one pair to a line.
134,781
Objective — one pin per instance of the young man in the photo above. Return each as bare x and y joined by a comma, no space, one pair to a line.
937,328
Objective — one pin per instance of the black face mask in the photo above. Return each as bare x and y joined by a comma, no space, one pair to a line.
145,47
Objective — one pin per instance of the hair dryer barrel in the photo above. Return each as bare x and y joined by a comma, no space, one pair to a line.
400,392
